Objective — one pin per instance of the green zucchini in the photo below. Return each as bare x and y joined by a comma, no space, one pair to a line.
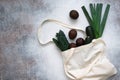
89,32
88,39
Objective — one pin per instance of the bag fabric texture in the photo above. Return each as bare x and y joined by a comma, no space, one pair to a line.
87,62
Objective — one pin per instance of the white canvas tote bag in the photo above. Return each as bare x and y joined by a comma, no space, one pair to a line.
87,62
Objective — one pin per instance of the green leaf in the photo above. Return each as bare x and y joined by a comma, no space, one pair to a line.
96,22
92,10
99,16
98,19
94,19
87,15
104,19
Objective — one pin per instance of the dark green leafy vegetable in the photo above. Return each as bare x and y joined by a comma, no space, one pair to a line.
58,44
96,21
61,41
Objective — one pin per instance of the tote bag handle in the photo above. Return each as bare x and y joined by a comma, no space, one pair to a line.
59,23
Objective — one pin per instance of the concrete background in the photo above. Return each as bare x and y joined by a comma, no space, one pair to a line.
21,55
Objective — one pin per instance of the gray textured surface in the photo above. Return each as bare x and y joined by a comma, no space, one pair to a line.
21,55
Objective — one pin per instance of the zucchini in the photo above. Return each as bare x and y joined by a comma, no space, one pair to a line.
89,32
88,39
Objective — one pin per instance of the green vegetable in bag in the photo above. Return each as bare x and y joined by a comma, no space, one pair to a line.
96,20
61,41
